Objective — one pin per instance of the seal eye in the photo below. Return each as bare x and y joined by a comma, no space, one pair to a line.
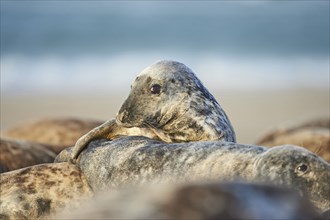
302,168
155,89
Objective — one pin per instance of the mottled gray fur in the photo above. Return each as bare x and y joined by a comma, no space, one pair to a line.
38,191
137,160
182,110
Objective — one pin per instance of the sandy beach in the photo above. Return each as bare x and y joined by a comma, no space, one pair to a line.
251,112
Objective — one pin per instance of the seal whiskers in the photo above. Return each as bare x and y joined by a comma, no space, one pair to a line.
161,135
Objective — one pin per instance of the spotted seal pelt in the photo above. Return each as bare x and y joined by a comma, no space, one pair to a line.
18,154
137,160
39,191
196,201
56,133
166,102
313,135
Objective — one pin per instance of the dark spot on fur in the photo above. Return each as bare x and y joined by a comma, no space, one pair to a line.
42,174
4,217
53,170
172,80
20,179
21,197
74,173
50,183
43,206
193,124
148,80
26,206
30,189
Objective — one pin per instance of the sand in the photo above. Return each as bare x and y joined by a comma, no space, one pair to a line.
252,112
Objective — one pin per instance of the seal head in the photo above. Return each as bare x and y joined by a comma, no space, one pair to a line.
168,98
291,165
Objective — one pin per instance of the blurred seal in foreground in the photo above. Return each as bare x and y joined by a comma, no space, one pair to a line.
196,201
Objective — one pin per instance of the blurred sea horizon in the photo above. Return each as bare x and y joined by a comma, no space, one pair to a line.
87,46
57,75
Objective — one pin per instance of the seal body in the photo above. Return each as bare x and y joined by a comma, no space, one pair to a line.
139,160
167,102
18,154
39,191
54,133
313,135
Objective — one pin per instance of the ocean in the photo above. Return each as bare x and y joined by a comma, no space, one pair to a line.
98,46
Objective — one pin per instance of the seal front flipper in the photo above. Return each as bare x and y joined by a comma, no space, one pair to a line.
101,131
111,130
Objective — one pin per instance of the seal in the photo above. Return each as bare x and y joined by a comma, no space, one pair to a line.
196,201
169,103
18,154
139,160
313,135
39,191
55,133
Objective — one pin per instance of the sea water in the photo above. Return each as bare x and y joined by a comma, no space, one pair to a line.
86,46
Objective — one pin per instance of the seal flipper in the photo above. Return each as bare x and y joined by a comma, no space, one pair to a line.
101,131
